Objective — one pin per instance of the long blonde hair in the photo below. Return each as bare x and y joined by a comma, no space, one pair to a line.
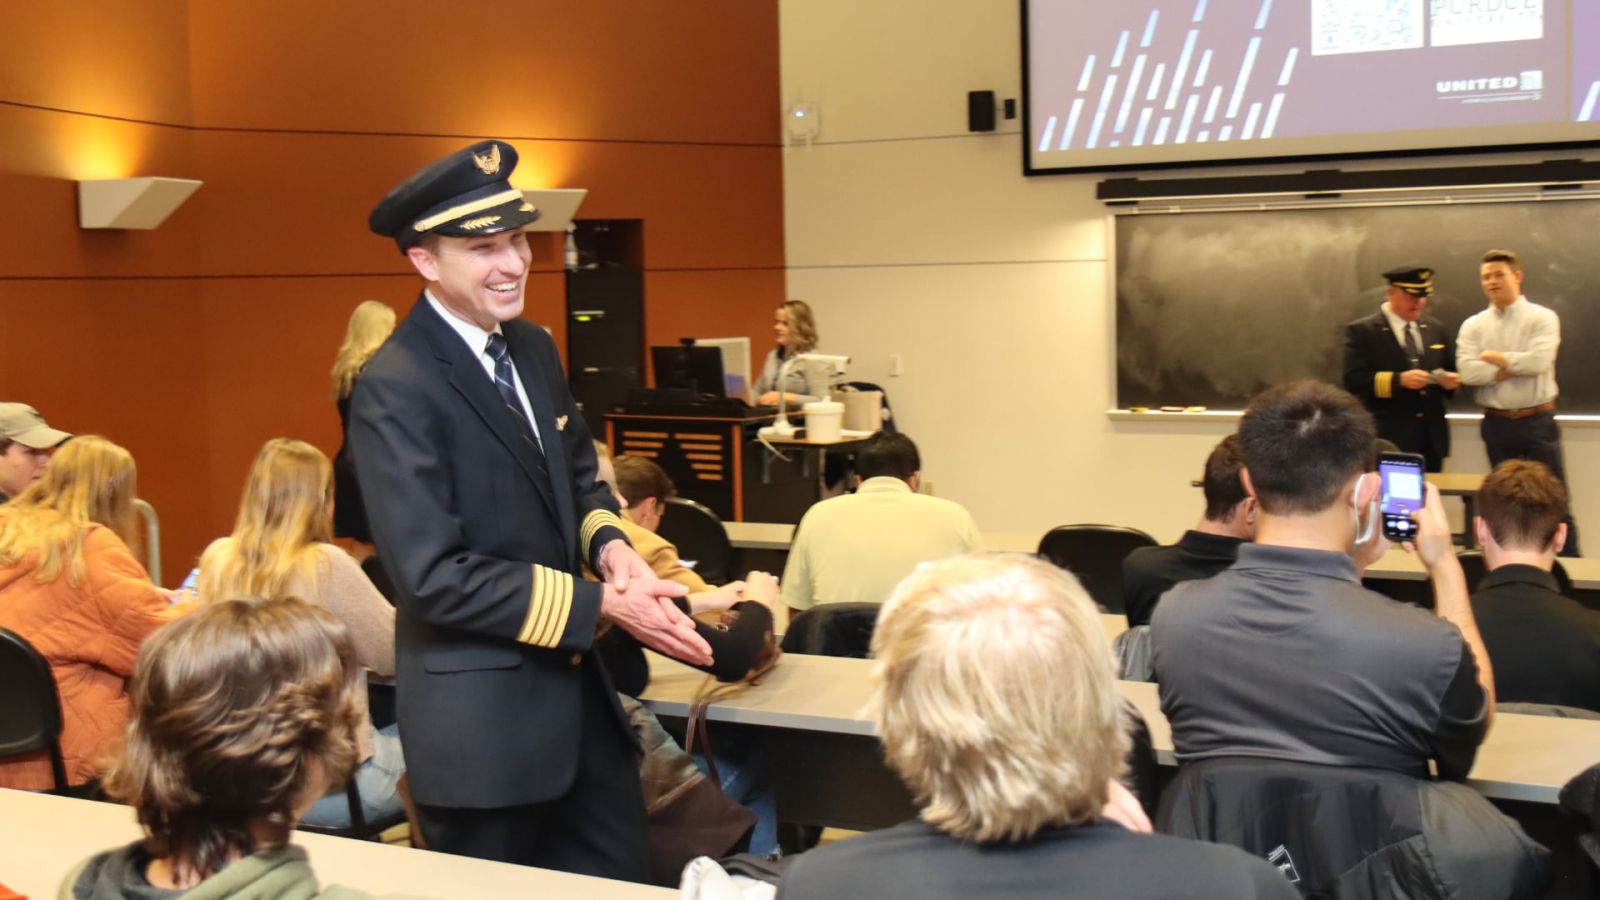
89,480
282,517
370,325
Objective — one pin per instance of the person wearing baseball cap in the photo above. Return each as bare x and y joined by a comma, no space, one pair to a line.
26,440
478,474
1402,365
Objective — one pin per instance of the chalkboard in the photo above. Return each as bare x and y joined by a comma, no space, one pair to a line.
1213,307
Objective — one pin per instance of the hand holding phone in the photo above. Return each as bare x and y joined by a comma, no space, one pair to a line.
1403,494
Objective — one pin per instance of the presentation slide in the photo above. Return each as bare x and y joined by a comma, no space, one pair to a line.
1174,81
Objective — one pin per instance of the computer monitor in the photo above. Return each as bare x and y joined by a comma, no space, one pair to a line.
698,369
735,364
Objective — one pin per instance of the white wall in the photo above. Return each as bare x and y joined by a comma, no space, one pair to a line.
911,237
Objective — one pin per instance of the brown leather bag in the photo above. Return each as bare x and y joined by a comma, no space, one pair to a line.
687,814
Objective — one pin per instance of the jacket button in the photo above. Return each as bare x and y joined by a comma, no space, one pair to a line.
577,659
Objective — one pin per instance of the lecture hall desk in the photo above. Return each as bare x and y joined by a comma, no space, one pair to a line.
807,715
46,836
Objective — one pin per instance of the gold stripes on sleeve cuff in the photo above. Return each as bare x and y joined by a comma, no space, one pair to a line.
592,523
1383,385
548,609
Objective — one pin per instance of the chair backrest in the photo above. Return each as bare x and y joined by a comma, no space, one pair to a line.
1135,662
833,629
1355,833
699,536
30,707
1094,553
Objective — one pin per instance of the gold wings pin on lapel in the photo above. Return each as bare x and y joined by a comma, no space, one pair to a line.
489,163
561,423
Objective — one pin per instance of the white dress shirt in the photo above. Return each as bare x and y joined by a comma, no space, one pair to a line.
1399,327
1528,335
478,342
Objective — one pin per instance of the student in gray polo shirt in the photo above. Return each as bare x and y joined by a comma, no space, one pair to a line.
1285,655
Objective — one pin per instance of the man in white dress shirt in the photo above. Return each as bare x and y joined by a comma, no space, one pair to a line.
1508,352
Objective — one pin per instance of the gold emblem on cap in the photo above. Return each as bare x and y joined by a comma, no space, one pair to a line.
1425,274
525,207
479,222
489,163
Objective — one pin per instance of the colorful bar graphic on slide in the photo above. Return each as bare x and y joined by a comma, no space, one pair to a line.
1140,74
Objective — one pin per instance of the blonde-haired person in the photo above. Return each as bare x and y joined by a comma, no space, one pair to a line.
244,714
279,547
71,587
370,325
795,330
995,697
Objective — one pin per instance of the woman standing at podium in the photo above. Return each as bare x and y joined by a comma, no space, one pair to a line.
796,332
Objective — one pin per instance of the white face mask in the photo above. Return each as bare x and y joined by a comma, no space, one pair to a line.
1366,530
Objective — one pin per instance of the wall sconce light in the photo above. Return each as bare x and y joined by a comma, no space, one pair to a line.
137,203
556,207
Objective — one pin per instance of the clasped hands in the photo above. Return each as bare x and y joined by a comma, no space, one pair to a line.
641,604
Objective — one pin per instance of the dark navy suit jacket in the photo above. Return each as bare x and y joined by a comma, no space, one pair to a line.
483,535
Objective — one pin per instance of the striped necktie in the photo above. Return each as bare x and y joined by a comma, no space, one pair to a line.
501,354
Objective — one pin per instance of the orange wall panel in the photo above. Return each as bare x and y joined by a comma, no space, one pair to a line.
703,72
127,58
125,360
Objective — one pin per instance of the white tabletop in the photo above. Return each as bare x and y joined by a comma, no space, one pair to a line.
1524,758
45,837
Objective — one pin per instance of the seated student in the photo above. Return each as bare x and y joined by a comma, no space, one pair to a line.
70,586
279,547
25,445
855,548
644,489
243,715
1285,655
1203,551
1016,785
1545,647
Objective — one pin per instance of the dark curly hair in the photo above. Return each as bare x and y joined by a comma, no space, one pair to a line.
232,707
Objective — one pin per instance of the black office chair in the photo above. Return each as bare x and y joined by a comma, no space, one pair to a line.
1355,833
30,706
833,629
699,536
1094,553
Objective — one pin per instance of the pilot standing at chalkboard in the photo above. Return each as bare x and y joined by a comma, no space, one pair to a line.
1401,364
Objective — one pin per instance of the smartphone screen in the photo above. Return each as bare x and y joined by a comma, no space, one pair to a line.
1402,494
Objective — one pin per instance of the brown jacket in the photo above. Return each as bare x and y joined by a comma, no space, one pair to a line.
90,634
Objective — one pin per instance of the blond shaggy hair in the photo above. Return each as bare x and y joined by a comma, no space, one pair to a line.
995,697
90,480
370,325
282,517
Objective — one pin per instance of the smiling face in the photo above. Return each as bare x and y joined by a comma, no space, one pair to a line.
479,279
1501,283
1405,306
